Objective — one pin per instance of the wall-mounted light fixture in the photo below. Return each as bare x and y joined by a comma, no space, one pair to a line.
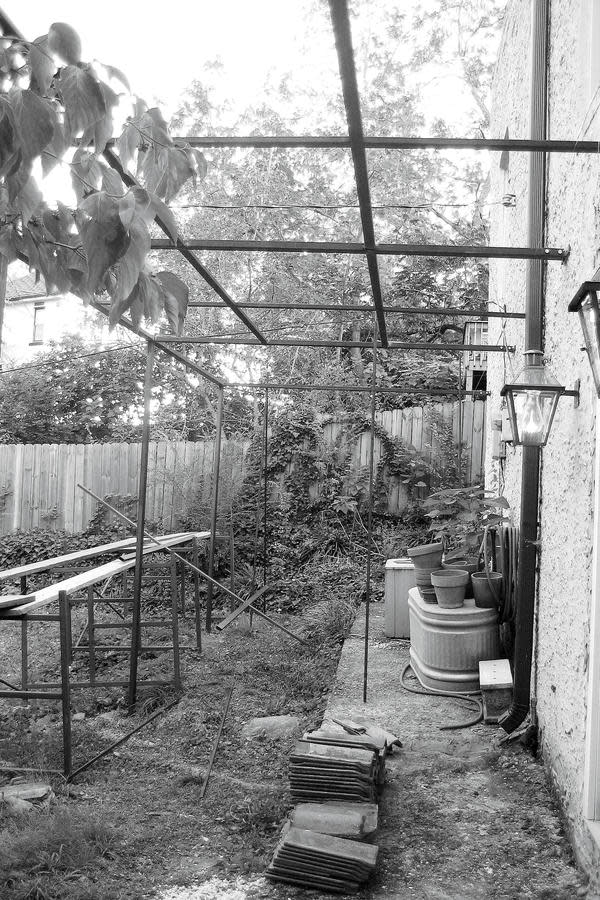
585,302
532,400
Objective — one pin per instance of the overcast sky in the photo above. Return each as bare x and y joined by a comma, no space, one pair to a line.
161,46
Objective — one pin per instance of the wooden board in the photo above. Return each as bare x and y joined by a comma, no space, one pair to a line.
23,604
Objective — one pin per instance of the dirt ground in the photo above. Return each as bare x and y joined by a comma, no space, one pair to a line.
462,816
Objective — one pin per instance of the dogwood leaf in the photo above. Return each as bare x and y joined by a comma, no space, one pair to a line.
82,98
104,238
35,121
65,42
42,65
176,295
128,268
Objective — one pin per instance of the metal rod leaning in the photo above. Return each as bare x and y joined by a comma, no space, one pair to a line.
194,568
122,740
216,743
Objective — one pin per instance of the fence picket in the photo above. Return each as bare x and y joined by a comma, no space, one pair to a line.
38,482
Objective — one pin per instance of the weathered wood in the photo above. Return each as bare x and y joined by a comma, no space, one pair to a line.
41,481
23,605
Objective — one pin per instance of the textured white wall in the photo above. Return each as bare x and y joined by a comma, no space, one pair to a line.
566,515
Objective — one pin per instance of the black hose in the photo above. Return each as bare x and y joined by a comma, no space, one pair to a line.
469,697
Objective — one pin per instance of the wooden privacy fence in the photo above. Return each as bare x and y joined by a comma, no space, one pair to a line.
38,482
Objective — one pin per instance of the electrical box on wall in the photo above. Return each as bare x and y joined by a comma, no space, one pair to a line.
498,445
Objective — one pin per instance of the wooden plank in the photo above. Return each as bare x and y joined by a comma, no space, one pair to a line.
478,443
467,406
36,487
68,451
171,473
37,599
44,565
417,427
79,496
53,501
7,456
237,612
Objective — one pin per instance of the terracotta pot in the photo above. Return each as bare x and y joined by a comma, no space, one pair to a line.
450,585
487,596
426,556
423,582
470,564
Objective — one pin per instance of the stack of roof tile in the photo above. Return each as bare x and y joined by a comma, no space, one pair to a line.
336,773
321,861
327,772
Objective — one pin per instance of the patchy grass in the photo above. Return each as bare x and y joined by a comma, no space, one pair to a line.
62,846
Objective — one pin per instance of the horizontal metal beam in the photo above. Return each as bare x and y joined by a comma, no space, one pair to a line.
307,342
477,312
352,388
336,142
357,248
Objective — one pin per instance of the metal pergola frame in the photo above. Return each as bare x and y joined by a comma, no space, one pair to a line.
358,143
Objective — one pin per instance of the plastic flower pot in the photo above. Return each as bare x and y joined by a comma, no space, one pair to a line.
487,588
450,586
470,564
426,556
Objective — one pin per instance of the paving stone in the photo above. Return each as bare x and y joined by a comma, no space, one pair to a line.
272,727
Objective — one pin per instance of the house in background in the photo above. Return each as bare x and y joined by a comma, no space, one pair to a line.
565,638
33,318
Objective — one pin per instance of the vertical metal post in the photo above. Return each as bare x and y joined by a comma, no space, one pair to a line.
91,635
215,508
3,274
24,647
140,525
196,577
534,307
182,585
265,489
370,518
24,656
175,623
460,423
65,654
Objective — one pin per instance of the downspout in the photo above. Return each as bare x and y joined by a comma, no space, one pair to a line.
534,311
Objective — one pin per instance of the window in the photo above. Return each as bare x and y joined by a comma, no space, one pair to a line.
38,324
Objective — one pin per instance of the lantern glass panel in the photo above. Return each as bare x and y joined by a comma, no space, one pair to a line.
590,325
533,414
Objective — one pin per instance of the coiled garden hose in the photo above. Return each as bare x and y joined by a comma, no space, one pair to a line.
470,697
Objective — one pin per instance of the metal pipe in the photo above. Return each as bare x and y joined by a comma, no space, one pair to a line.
140,526
480,312
65,659
306,342
534,303
122,740
370,521
216,743
352,388
341,142
215,509
344,247
265,487
340,20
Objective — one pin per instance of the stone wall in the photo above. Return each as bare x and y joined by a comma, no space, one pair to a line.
567,481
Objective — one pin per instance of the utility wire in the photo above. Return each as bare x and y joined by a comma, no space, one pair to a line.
54,362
